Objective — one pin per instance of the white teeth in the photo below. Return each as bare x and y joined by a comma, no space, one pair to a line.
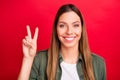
69,39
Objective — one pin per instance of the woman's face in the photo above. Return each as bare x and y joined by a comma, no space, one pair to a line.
69,29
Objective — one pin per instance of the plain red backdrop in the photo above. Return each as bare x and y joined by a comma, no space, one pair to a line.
102,18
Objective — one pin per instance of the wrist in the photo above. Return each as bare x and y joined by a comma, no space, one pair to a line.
26,59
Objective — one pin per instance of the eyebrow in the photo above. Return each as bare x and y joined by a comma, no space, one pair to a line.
66,23
76,22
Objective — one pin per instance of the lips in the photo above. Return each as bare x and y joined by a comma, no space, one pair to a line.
69,38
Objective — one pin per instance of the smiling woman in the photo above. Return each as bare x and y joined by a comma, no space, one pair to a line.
69,52
69,29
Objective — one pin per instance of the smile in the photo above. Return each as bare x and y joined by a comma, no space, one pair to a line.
69,39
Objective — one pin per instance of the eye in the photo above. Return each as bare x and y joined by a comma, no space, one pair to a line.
76,25
61,25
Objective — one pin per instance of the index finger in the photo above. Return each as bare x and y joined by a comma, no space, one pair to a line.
28,31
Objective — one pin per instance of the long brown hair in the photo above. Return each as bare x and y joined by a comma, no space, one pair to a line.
55,47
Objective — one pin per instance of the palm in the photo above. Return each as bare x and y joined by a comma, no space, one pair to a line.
30,44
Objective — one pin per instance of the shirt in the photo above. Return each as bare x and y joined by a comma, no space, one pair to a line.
69,71
38,70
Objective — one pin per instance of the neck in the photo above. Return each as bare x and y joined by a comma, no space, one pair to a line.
70,55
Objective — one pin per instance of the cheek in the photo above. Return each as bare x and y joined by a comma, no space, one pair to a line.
59,34
78,31
60,31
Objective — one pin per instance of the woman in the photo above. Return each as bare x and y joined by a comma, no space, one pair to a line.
69,56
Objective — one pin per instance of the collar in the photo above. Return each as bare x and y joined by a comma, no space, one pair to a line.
60,59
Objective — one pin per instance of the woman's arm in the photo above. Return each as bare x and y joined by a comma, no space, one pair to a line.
25,69
29,51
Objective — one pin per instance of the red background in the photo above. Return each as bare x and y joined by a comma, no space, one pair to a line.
102,18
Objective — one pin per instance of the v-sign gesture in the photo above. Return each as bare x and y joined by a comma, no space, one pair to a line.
29,50
30,44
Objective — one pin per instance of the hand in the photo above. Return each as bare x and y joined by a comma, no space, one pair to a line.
30,44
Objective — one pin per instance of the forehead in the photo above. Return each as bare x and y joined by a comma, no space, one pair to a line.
69,17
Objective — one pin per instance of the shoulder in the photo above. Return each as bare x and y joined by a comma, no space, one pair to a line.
40,58
42,53
98,62
39,65
97,58
99,67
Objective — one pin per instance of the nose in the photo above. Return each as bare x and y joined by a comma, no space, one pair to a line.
69,30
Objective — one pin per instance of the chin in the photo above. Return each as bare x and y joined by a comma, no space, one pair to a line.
69,45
